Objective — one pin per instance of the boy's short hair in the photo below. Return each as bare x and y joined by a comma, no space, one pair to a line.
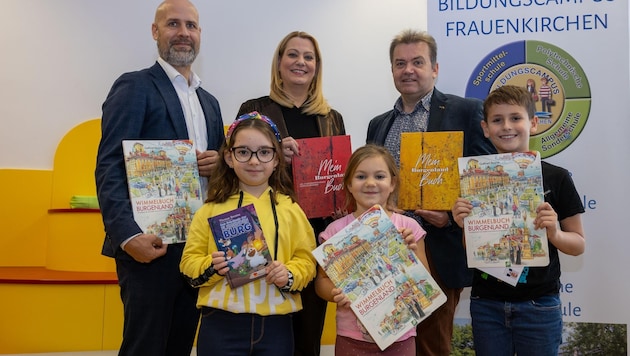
511,95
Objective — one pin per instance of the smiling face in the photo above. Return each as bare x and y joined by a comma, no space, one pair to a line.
253,174
371,183
298,63
509,127
414,75
177,33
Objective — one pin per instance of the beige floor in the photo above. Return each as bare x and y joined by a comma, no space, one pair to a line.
326,351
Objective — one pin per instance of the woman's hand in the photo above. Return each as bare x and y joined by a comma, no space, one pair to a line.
290,148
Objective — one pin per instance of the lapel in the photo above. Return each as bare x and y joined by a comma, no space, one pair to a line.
171,100
437,111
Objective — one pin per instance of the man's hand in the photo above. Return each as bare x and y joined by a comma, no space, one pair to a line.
435,218
207,162
145,248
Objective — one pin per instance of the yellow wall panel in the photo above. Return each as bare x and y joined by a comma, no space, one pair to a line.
51,318
24,216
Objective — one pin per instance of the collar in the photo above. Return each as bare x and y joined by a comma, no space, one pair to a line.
174,75
425,103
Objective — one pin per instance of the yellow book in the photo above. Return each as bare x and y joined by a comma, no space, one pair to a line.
429,178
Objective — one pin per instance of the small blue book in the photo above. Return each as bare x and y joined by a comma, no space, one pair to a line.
239,235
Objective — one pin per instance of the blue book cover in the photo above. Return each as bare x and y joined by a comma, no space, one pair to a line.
239,235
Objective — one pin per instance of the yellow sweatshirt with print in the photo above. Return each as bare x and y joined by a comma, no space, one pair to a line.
295,242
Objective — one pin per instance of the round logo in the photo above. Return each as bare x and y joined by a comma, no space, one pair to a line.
555,80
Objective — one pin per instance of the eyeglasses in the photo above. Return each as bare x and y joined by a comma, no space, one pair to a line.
244,154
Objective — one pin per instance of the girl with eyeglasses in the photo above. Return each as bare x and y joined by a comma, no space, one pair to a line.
254,319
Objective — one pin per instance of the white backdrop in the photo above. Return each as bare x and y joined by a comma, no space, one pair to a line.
594,34
60,58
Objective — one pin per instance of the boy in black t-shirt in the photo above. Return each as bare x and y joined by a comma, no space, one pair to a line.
525,319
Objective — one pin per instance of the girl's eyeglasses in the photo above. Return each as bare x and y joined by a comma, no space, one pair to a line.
244,154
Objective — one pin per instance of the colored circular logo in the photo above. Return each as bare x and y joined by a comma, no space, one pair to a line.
555,80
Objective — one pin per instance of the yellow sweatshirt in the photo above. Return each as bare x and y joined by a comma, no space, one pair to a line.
295,242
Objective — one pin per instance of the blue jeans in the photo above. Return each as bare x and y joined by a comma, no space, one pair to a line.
229,334
532,327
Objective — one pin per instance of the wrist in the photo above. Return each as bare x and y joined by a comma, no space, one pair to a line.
287,287
203,278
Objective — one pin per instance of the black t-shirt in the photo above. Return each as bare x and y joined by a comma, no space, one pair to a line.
538,281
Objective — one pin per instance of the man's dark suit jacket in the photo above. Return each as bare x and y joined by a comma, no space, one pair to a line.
140,105
447,113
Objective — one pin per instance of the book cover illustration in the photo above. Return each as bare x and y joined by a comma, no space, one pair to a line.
505,190
164,187
318,174
428,169
239,235
389,288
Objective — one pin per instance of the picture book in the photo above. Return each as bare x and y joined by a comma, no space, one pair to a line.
164,187
318,174
428,169
238,233
505,190
389,288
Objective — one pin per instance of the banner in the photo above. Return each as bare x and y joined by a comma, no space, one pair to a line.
573,56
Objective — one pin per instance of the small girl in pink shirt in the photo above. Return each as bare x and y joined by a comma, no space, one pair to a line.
371,178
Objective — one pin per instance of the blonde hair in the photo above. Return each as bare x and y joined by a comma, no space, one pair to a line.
315,103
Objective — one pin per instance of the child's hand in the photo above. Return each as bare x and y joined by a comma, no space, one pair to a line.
220,263
277,273
461,209
410,239
340,298
547,218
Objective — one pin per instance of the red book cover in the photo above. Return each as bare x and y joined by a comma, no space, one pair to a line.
318,174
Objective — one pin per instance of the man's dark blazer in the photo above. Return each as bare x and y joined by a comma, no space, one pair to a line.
140,105
448,113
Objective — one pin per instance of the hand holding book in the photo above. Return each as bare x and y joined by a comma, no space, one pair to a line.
220,263
278,274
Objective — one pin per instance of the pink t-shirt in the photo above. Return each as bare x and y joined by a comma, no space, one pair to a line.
347,323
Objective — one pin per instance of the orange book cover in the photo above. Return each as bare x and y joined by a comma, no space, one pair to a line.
429,178
318,174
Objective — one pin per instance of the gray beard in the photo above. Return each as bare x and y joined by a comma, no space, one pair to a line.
178,58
